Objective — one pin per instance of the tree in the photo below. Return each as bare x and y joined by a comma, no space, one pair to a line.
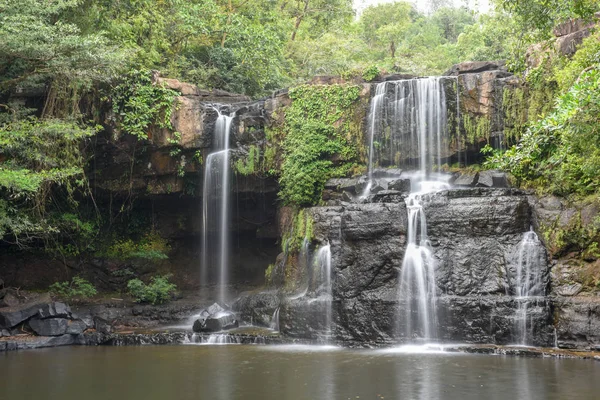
384,24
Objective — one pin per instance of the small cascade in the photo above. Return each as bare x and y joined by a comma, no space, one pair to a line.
417,279
528,284
323,262
374,119
215,208
216,339
409,119
275,320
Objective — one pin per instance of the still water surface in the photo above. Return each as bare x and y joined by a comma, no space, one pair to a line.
286,372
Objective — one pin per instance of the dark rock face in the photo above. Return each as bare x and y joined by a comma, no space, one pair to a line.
101,325
257,308
54,310
475,235
49,326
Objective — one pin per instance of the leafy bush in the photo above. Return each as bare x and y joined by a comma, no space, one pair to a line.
370,73
78,287
561,153
150,247
159,290
320,140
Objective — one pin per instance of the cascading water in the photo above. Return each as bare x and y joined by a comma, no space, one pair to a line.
215,208
323,262
417,279
528,283
275,320
409,119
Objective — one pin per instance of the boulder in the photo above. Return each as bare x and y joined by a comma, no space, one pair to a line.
9,300
4,332
76,327
49,326
492,178
13,316
101,325
401,185
54,310
387,172
256,308
466,179
215,318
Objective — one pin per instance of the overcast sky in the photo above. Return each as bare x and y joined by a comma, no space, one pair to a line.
481,5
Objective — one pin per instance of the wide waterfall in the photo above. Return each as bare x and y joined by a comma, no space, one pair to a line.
417,279
215,208
323,262
409,119
528,283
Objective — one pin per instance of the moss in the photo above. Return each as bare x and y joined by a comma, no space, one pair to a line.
250,165
476,128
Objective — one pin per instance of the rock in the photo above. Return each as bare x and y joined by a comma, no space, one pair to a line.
466,179
9,300
388,196
55,309
472,67
12,316
349,185
570,290
362,183
76,327
387,172
4,332
49,326
377,187
492,178
256,308
215,318
401,185
101,325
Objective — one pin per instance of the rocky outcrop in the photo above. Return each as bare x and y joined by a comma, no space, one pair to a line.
474,234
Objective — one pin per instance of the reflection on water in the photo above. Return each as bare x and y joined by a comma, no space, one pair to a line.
287,372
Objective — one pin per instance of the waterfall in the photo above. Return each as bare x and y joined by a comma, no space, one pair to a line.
323,262
528,283
417,279
275,320
409,118
215,207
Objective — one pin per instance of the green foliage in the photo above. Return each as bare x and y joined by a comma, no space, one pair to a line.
158,291
150,247
587,56
39,156
301,228
269,274
251,164
561,152
138,104
319,127
76,288
370,73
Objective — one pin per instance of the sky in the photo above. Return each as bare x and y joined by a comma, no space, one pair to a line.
481,5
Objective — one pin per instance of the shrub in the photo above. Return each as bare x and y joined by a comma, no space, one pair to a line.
77,287
159,290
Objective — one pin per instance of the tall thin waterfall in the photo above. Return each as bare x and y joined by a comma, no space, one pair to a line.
323,261
528,282
417,279
409,119
215,208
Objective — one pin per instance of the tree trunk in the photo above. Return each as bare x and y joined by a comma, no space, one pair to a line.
299,19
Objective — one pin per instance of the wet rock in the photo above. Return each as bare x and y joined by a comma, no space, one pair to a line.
12,316
220,322
387,172
4,332
55,309
101,325
257,308
361,184
401,185
349,185
49,326
387,196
